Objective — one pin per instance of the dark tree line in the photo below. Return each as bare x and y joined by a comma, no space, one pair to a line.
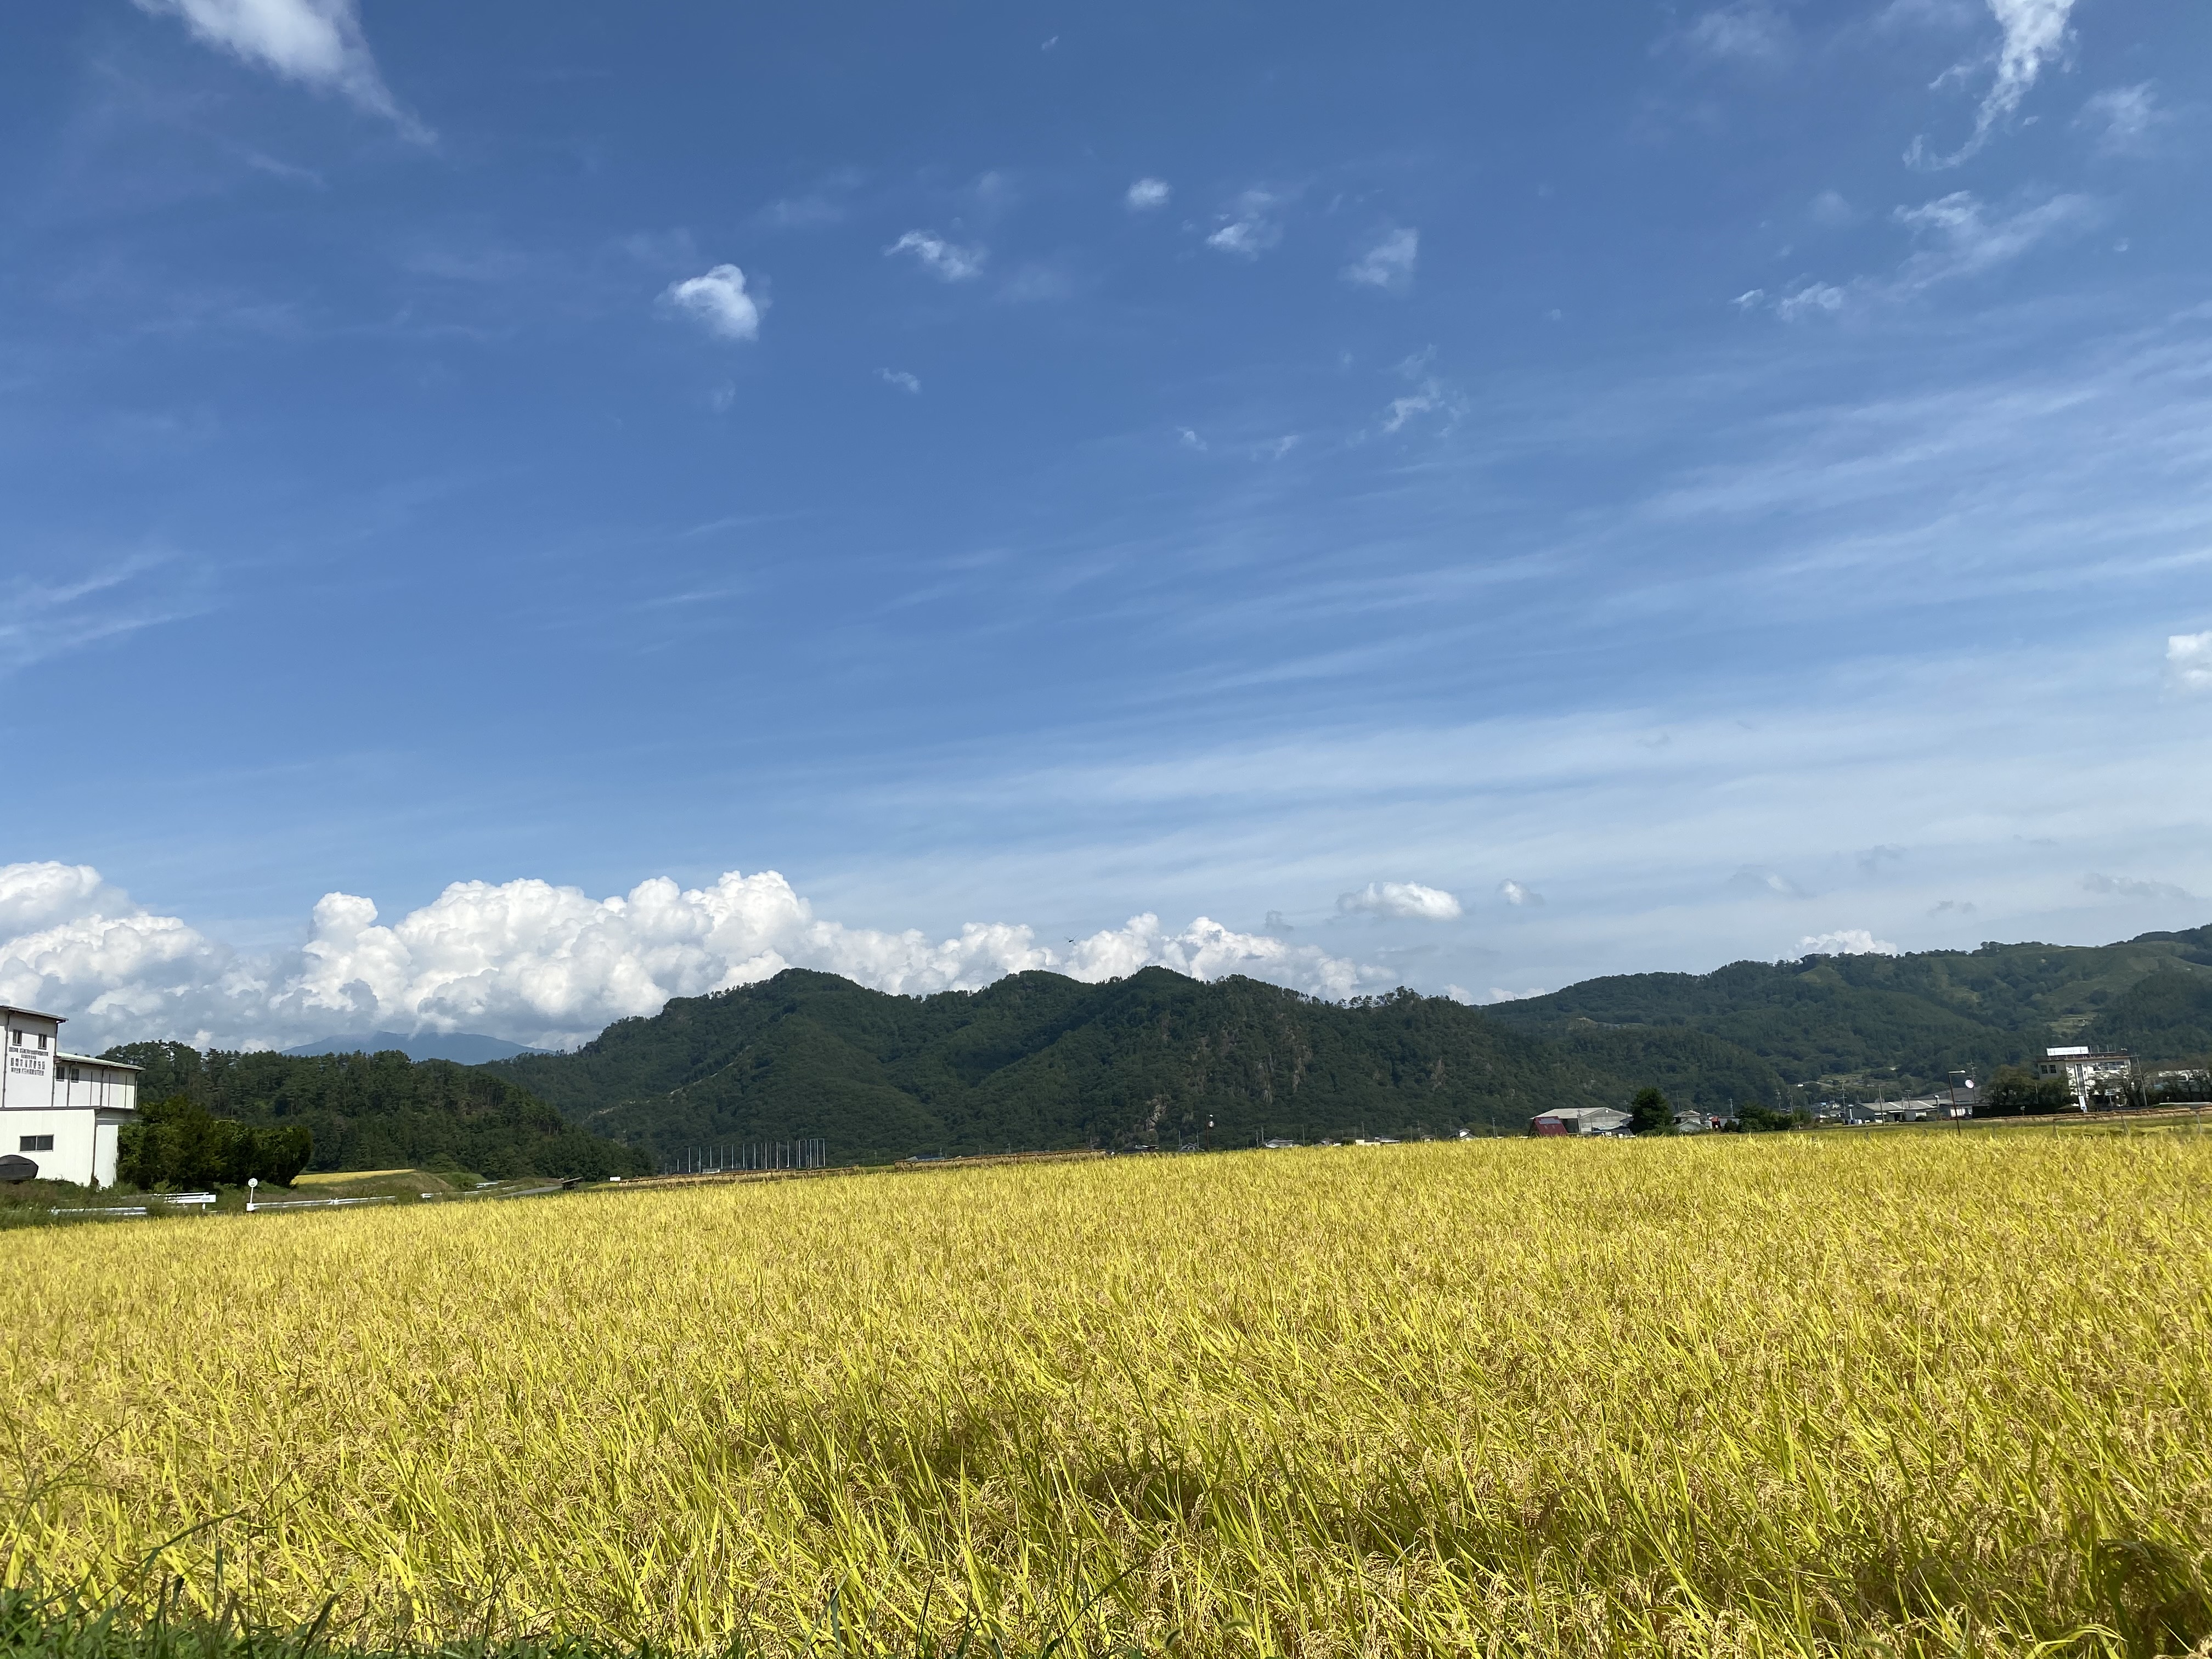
382,1111
177,1143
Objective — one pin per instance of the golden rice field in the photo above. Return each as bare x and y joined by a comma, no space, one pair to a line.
1744,1395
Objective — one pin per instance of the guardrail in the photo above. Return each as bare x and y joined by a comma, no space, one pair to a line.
161,1203
166,1201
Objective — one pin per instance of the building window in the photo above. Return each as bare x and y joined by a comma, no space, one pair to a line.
36,1144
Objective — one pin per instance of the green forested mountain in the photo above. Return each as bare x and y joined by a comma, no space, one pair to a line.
1914,1018
1038,1060
383,1111
2167,1015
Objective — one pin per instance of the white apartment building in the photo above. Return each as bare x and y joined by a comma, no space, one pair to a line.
59,1113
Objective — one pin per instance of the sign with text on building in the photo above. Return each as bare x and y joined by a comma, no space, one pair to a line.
26,1062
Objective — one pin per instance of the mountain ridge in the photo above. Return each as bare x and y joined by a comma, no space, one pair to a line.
462,1048
1916,1017
1037,1059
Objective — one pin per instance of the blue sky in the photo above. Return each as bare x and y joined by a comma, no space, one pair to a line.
1471,497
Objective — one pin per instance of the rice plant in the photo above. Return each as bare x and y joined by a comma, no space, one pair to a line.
1812,1394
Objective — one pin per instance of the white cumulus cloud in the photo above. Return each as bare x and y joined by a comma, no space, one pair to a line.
948,262
718,301
1514,892
535,962
1846,942
1146,194
317,43
1401,898
1388,265
1497,994
2188,661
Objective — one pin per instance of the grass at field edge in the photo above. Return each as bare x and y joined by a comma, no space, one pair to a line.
35,1626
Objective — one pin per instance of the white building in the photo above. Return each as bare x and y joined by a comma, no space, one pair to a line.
60,1113
2095,1077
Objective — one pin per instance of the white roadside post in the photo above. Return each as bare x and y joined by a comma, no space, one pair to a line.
252,1181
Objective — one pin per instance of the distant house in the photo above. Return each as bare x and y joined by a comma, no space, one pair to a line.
1579,1121
60,1114
1691,1121
1912,1111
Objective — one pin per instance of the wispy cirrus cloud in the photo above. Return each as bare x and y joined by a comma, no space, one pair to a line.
2033,35
1250,226
1748,32
1388,264
1961,236
317,42
1954,237
2125,119
1763,883
829,202
2132,888
1806,300
947,261
42,619
1430,395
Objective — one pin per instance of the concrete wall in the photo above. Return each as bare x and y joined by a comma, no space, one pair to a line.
84,1143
